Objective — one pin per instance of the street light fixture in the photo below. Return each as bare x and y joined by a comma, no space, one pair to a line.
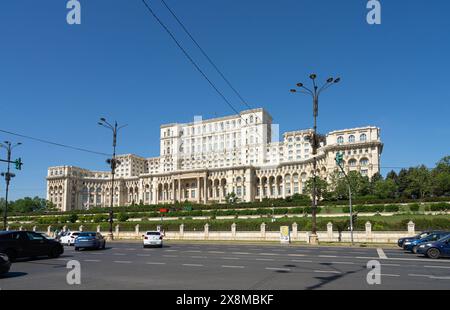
8,175
113,162
315,139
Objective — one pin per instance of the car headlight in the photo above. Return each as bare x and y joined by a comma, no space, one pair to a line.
422,245
407,243
4,257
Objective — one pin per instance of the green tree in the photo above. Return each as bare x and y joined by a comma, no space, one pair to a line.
73,218
385,189
441,177
321,186
419,182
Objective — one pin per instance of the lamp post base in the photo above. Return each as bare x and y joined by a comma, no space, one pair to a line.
313,239
110,237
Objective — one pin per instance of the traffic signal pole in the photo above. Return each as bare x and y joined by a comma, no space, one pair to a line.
339,158
8,175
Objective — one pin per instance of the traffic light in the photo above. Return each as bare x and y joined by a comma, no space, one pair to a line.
18,163
339,158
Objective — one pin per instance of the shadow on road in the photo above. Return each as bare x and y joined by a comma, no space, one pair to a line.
13,275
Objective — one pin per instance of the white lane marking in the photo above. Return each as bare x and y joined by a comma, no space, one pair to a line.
329,256
393,265
146,255
230,258
299,255
216,252
198,257
268,254
445,267
130,249
170,250
155,263
92,260
63,259
225,266
265,259
389,275
240,253
327,271
344,263
97,253
193,265
119,254
170,255
381,253
301,261
122,261
428,276
275,268
193,251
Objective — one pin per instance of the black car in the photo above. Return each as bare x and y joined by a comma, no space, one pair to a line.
19,244
5,264
424,234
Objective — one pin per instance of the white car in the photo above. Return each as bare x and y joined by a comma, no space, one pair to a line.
153,238
69,238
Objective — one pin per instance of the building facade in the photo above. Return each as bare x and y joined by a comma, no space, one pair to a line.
205,160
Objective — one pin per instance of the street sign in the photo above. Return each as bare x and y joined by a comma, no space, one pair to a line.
285,235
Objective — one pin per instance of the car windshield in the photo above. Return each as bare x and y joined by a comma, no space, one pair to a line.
87,235
153,233
423,235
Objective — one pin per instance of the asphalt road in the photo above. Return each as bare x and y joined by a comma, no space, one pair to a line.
230,266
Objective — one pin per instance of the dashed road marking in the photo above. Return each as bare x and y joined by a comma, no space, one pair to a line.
279,269
193,265
328,256
381,253
216,252
122,261
327,271
92,260
301,261
344,263
444,267
389,275
225,266
155,263
265,259
240,253
230,258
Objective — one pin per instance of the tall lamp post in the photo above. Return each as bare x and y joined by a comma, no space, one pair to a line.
113,162
8,175
315,139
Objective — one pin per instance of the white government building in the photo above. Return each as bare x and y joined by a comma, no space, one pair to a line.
205,160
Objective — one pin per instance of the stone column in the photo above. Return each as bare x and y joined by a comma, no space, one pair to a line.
181,231
136,230
206,231
294,231
34,228
198,190
233,231
98,228
179,190
80,228
205,189
49,230
261,190
117,230
330,231
174,197
263,231
411,228
368,231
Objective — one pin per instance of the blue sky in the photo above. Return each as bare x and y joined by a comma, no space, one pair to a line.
56,80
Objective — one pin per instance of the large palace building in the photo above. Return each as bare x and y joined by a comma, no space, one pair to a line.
205,160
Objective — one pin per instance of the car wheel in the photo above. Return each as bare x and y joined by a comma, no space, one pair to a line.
414,249
433,253
12,255
77,249
54,253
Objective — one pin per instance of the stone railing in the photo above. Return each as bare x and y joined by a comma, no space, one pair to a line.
330,235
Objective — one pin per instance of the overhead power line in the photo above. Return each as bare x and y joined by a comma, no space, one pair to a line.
54,143
205,54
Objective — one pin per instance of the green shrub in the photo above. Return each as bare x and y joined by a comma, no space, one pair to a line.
391,208
123,217
414,207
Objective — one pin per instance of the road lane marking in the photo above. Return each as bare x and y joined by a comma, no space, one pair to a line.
171,250
216,252
265,259
268,254
63,259
345,263
240,253
97,253
225,266
280,269
328,256
122,261
299,255
327,271
393,265
119,254
155,263
146,255
230,258
301,261
92,260
198,257
170,255
193,265
444,267
381,253
389,275
193,251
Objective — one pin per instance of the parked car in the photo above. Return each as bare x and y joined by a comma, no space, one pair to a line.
423,234
5,264
153,238
69,238
19,244
414,244
89,240
437,249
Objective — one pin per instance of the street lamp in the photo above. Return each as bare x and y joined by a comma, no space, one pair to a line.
9,147
113,162
315,139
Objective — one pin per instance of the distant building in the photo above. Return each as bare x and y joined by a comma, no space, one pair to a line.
205,160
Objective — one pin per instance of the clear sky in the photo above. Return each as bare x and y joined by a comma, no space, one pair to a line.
56,80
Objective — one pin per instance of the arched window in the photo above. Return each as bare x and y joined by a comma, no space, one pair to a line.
363,137
340,140
352,162
364,161
351,139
